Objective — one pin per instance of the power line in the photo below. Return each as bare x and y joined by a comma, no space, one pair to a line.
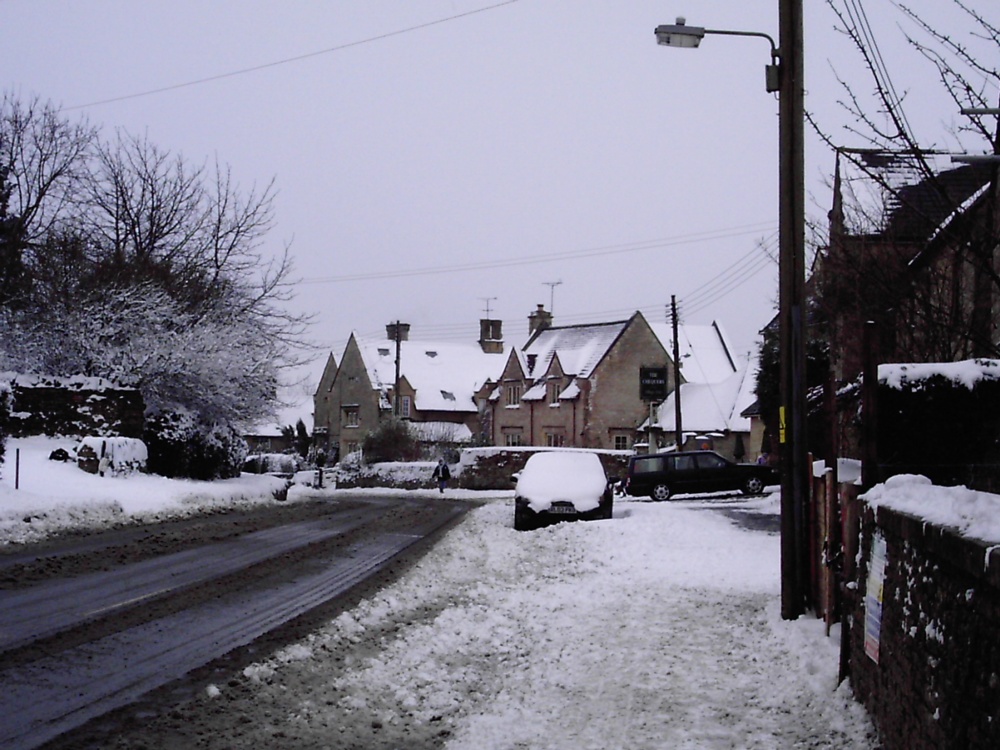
732,287
544,258
287,60
720,285
752,258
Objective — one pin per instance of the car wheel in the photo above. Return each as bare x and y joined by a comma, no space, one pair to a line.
753,486
660,492
522,522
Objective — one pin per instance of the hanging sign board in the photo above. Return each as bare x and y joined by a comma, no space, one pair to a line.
653,383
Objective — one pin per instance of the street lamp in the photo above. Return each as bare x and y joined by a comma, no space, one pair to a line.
679,34
785,76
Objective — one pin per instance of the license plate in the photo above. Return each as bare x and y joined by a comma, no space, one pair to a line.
564,509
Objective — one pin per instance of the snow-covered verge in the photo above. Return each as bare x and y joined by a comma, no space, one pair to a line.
56,496
658,628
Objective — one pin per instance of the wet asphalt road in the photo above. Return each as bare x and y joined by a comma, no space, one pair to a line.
73,648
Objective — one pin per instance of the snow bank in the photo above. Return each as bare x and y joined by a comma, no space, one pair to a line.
56,496
124,455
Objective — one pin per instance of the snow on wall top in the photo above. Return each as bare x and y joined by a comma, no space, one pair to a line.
973,514
967,373
73,382
444,375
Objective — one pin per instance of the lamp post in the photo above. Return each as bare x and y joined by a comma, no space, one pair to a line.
785,76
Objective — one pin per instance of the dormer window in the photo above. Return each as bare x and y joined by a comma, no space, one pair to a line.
431,354
383,352
554,389
513,394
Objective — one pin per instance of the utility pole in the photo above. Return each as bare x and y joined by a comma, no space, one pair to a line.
679,433
791,313
395,387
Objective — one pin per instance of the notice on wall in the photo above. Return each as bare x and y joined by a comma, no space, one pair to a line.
873,597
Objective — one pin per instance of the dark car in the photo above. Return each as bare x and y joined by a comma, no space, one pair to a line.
561,486
663,475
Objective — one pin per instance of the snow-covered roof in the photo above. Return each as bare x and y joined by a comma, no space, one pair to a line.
580,348
445,376
705,352
295,405
710,407
441,432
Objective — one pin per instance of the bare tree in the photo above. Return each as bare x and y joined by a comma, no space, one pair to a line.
145,269
908,253
42,161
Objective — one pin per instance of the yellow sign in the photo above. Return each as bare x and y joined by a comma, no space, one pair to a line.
781,424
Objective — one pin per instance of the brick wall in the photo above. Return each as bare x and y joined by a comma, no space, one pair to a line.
937,680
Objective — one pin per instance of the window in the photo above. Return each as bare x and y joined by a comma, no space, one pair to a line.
648,465
708,461
512,439
684,463
513,392
351,418
555,439
554,390
405,404
352,447
621,442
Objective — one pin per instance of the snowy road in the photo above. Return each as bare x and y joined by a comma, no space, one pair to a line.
657,629
44,697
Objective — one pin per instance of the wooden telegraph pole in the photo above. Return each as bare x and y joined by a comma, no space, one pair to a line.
679,433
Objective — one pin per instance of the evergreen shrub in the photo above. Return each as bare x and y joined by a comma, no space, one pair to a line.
182,446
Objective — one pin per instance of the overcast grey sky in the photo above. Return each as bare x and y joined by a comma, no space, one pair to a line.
437,156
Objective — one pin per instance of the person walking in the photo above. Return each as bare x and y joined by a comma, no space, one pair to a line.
442,474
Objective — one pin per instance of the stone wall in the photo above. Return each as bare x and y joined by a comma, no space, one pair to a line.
73,406
936,681
491,468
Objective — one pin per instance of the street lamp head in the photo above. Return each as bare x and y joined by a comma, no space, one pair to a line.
679,34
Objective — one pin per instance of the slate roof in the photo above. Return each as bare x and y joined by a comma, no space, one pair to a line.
580,348
922,207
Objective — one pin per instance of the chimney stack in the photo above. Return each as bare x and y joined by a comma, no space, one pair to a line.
402,328
539,320
491,336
